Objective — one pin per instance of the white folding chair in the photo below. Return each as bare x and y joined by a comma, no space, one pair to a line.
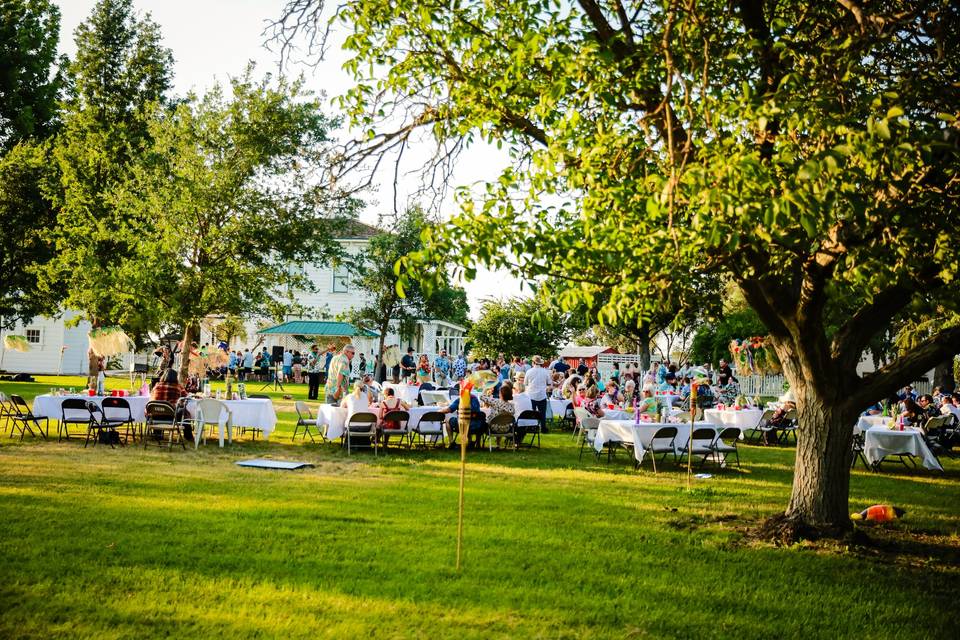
212,412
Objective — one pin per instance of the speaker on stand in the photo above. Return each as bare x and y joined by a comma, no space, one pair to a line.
276,359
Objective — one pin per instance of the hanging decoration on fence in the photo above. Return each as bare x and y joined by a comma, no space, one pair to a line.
391,356
109,341
16,343
753,355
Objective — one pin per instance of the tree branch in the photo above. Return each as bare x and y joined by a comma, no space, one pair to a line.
905,369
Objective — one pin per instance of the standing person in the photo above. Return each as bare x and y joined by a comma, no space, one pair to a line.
536,381
297,367
362,366
287,365
724,369
460,367
248,357
424,373
328,356
338,375
408,366
441,369
314,367
582,368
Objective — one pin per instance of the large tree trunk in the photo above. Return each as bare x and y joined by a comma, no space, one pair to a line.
943,375
643,345
821,480
93,369
189,335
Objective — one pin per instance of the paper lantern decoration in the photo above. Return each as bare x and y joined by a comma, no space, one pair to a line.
16,343
109,341
391,356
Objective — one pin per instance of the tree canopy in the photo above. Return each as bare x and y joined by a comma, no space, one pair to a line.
31,72
807,150
517,327
225,202
119,77
390,306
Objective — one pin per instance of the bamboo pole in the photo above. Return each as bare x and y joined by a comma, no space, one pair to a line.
693,417
463,426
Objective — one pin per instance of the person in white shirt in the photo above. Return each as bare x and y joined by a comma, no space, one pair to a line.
536,381
949,407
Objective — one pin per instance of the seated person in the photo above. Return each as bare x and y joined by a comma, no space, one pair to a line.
499,406
873,410
929,407
727,389
591,404
170,390
390,402
779,417
358,400
611,396
648,405
912,415
580,396
477,418
669,384
948,407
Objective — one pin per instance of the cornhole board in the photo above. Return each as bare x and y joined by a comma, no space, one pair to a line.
265,463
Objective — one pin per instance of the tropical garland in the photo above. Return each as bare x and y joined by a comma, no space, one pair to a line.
16,343
109,341
753,355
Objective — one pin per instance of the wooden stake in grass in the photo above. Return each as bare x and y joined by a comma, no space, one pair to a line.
463,425
693,417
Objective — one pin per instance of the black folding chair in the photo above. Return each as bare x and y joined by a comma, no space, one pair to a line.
857,447
361,426
528,422
117,412
430,426
700,444
569,419
23,419
720,447
664,442
73,411
501,426
100,429
161,418
402,420
6,411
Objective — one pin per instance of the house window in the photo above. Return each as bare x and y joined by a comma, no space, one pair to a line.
33,336
340,279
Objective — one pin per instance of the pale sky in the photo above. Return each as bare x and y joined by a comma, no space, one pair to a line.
213,39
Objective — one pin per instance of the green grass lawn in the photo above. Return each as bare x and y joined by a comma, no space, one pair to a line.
127,543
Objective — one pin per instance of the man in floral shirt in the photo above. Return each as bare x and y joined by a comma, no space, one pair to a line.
441,368
460,368
338,378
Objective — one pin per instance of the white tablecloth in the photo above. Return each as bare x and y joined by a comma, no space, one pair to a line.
435,397
641,435
865,423
668,399
335,418
880,442
744,418
556,408
252,412
49,406
617,414
406,392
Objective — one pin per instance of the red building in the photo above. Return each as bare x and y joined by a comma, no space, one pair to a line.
573,355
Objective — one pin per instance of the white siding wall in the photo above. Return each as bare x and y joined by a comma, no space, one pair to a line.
45,357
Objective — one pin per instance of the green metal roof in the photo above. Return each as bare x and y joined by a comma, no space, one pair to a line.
317,328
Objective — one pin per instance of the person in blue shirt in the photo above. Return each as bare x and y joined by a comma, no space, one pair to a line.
248,357
287,365
477,418
232,363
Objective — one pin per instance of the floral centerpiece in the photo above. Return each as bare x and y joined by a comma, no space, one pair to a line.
753,355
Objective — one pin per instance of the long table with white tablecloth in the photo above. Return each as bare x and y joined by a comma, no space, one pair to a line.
257,413
47,406
641,435
880,442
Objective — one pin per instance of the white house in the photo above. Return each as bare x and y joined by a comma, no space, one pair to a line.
56,347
